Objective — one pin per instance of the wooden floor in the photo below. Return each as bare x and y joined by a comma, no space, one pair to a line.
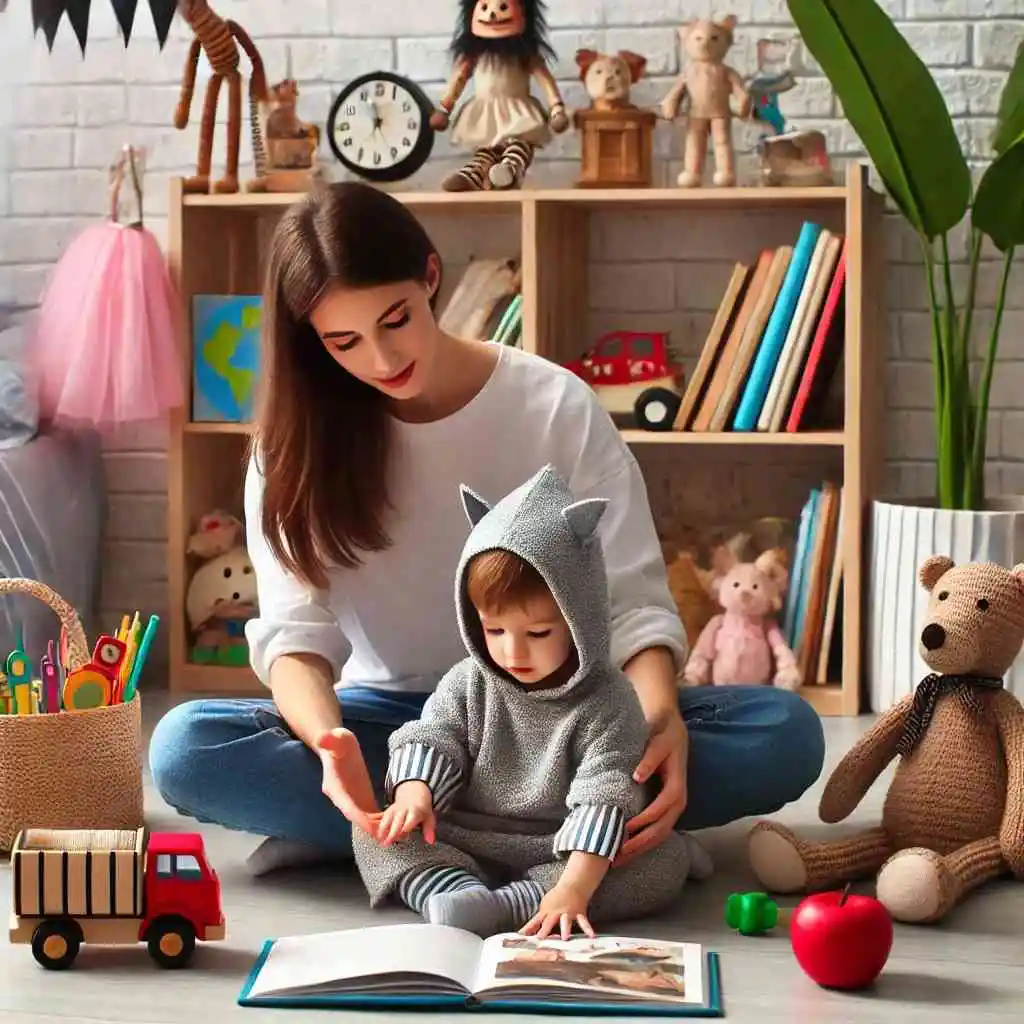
971,966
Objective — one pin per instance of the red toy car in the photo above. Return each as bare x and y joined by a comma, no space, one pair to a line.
633,372
113,887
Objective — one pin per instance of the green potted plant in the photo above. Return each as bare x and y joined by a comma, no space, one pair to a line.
893,103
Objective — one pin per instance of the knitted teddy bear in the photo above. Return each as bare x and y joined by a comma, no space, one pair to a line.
743,644
954,814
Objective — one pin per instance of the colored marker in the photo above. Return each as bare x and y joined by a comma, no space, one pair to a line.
51,683
140,659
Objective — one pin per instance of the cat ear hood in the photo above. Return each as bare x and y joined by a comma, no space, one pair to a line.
545,524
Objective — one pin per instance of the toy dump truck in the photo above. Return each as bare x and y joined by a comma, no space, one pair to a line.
112,887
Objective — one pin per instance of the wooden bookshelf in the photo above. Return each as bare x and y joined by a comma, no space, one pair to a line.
215,245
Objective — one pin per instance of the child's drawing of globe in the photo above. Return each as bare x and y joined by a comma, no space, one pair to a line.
225,356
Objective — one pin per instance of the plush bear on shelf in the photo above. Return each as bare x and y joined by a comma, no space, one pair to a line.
743,644
954,814
222,593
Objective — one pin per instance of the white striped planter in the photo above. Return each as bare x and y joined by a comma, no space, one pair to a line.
903,535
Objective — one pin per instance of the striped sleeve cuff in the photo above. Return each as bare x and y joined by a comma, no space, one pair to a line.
592,828
419,762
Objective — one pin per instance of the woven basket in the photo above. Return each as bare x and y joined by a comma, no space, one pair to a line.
72,769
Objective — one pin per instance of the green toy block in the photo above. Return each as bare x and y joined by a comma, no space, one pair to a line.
751,913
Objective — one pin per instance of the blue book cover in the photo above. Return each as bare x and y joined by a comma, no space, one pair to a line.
768,352
225,357
801,553
430,967
804,594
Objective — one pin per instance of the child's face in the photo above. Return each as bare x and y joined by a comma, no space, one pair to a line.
528,642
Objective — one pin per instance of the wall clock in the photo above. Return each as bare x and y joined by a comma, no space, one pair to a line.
379,127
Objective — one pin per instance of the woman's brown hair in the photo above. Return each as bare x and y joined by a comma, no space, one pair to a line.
322,438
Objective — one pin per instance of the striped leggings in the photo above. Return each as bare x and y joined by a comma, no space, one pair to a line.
504,165
520,900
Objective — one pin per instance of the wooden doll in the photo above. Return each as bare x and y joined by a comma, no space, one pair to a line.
220,39
708,83
500,45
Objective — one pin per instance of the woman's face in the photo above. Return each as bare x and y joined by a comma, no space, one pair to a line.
385,336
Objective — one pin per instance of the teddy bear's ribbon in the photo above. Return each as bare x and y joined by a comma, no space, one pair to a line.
927,696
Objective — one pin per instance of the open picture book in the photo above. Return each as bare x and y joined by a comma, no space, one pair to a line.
427,966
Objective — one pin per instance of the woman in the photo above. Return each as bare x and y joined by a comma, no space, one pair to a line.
370,418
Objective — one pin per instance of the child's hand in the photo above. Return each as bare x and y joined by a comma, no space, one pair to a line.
563,905
413,808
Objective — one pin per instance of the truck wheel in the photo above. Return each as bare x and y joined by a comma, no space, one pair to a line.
171,942
656,409
55,944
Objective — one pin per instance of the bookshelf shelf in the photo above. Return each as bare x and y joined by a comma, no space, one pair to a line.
644,198
810,438
805,439
215,246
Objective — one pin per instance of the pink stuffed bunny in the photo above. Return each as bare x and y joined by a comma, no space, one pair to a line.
743,644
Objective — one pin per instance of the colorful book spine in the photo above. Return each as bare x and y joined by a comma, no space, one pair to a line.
806,566
775,333
823,356
799,557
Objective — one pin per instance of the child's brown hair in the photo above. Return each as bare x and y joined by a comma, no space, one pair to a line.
498,580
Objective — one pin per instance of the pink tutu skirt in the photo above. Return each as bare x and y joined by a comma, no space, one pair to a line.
105,348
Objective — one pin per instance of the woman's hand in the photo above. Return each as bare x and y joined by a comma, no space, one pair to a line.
413,808
561,906
665,754
346,779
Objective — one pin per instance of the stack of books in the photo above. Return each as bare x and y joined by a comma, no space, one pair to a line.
813,612
775,342
487,302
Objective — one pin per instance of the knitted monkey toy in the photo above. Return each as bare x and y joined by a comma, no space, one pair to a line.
219,39
501,45
954,814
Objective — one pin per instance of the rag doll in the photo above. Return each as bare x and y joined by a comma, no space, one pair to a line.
744,645
608,77
708,84
220,39
500,45
953,817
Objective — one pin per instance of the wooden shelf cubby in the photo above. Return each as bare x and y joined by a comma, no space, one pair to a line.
216,244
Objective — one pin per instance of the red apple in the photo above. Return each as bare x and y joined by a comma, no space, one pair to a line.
841,940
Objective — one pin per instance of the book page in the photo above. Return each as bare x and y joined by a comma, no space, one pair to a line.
608,969
340,961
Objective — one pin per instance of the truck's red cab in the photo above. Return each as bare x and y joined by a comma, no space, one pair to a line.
627,358
634,373
179,882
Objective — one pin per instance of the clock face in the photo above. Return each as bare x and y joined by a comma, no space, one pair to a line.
379,127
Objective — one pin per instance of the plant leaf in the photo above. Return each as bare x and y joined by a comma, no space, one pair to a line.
894,105
1010,117
999,203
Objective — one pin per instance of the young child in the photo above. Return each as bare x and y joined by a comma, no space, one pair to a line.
510,795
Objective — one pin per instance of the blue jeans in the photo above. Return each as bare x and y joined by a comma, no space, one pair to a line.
235,763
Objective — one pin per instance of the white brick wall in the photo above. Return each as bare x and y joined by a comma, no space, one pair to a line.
63,118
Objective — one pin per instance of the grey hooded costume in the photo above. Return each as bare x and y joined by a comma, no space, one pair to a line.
522,775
